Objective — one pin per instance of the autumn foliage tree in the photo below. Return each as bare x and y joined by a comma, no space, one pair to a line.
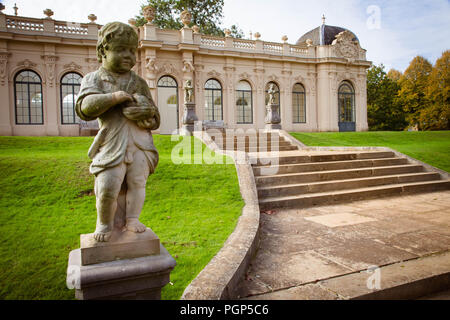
436,115
383,110
413,88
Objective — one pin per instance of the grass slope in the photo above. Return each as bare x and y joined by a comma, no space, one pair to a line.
432,147
46,203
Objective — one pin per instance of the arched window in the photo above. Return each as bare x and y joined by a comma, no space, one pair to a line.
168,104
28,98
276,95
213,100
298,104
244,102
70,86
346,107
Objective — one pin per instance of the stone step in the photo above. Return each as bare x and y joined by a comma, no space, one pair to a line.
255,144
263,148
334,197
294,159
333,165
317,187
294,178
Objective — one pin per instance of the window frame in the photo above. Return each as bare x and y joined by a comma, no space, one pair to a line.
304,103
345,95
251,103
212,97
72,85
29,98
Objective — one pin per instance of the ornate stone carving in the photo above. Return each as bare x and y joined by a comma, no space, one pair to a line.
26,63
150,64
213,74
50,63
196,29
3,65
188,66
72,66
149,13
227,32
244,76
257,35
345,46
167,68
186,18
272,78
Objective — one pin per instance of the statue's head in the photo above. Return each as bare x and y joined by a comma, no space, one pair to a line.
188,83
116,47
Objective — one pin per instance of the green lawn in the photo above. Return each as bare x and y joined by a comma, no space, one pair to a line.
432,147
46,203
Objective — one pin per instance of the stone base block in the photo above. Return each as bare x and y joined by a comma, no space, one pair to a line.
187,130
122,245
272,126
131,279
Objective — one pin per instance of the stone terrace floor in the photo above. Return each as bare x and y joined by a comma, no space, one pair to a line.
299,247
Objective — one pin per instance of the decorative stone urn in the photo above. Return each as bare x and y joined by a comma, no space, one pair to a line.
284,38
196,29
92,17
227,32
48,13
149,13
186,18
257,35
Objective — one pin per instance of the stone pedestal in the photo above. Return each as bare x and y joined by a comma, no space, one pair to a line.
129,266
189,118
273,119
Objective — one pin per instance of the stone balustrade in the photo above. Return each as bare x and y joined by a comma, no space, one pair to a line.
47,26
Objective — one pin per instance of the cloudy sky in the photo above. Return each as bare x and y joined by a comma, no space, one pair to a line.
392,31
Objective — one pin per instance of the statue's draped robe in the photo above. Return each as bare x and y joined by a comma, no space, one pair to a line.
116,132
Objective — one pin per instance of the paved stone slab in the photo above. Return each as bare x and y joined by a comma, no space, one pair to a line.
306,292
339,219
350,238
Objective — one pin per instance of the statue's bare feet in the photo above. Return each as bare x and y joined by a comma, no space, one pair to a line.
102,233
134,225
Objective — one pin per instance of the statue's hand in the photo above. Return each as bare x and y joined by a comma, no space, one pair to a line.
122,96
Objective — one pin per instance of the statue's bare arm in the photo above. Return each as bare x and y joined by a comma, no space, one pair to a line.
96,104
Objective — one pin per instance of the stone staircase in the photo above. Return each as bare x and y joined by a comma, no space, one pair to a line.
320,178
300,178
260,142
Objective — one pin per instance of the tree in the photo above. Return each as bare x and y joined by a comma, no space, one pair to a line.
383,110
436,116
394,75
413,87
207,14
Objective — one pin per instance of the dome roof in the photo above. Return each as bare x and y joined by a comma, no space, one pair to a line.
323,35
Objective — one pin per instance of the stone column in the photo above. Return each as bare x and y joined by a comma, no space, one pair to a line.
5,119
50,95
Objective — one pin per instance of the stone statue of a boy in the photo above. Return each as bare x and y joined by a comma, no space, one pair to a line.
123,154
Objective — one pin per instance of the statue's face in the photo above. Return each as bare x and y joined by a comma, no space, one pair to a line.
120,55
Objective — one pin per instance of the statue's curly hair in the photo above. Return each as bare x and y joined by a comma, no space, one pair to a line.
110,31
